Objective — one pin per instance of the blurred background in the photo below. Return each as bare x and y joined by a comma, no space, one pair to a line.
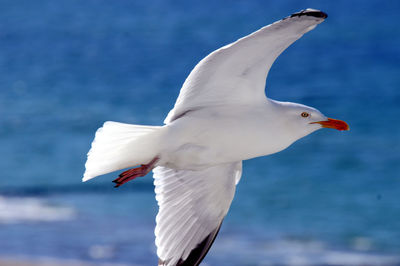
67,66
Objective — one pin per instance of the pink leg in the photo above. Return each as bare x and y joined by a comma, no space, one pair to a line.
130,174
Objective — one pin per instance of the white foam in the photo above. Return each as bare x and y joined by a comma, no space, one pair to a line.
101,252
17,210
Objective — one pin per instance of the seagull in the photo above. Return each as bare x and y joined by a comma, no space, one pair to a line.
221,117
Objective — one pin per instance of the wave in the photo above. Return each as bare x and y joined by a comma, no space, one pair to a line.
29,209
47,261
297,253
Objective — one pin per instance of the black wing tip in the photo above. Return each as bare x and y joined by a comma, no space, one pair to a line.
198,253
310,12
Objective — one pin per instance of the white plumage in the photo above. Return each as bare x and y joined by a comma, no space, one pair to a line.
236,73
220,118
183,219
113,144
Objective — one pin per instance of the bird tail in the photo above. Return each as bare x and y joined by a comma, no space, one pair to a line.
117,146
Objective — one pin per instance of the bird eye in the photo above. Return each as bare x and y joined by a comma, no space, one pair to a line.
305,114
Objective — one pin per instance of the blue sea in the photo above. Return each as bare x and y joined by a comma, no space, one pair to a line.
332,198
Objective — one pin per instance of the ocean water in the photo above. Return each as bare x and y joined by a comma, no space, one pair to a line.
332,198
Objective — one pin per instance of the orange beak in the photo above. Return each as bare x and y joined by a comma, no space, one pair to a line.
333,123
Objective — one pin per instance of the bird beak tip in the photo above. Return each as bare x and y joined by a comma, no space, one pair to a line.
333,123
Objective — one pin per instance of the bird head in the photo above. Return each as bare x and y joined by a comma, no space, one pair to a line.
303,120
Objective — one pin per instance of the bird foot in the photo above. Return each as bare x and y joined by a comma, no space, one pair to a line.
133,173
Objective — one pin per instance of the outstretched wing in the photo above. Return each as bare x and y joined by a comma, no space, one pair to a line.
192,205
236,73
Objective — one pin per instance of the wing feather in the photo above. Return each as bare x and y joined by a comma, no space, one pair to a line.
237,72
192,205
